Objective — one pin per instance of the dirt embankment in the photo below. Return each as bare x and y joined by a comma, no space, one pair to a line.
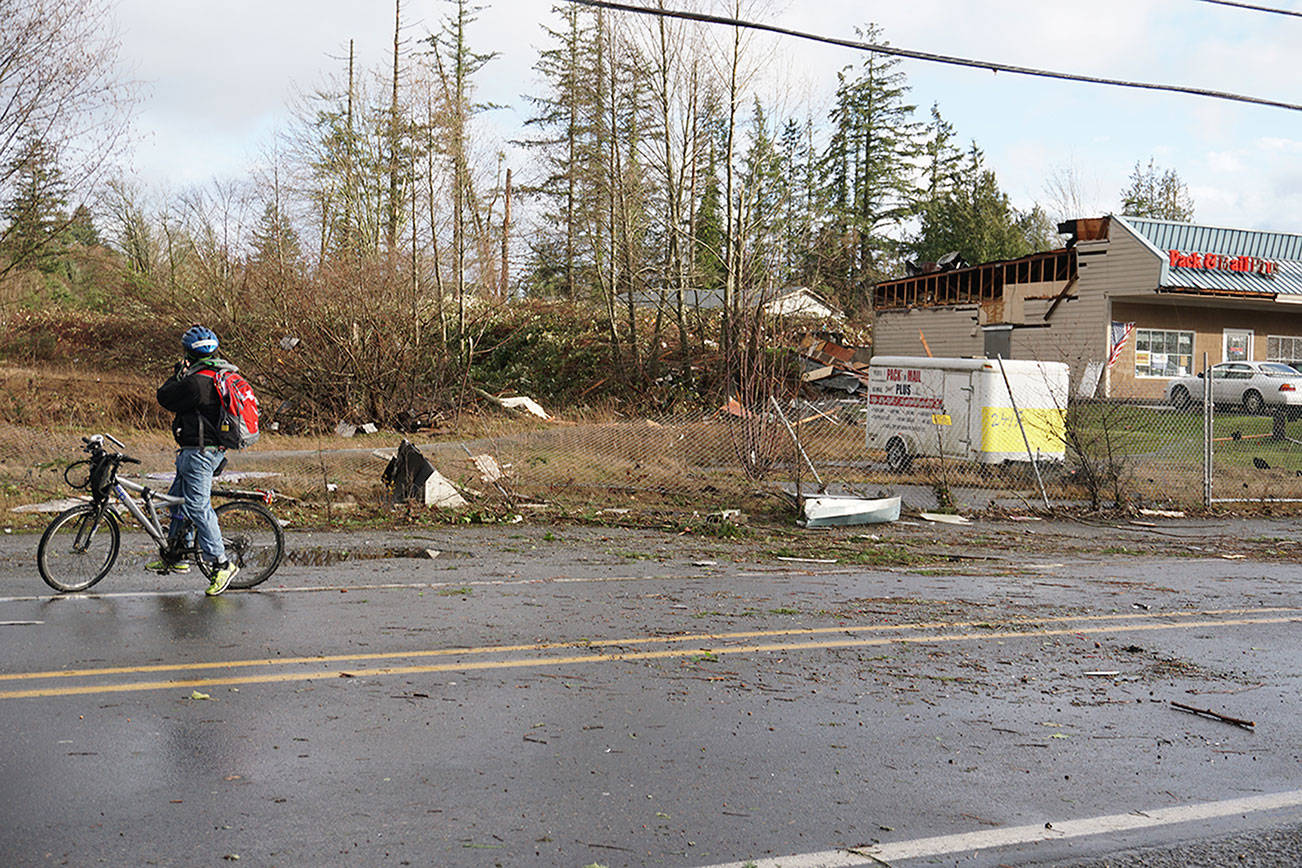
66,396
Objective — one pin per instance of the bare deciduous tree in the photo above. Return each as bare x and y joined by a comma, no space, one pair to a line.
60,84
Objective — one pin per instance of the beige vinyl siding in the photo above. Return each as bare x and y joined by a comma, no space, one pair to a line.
1122,266
951,332
1076,332
1130,267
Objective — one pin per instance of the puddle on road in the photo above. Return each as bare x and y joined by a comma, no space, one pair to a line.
322,556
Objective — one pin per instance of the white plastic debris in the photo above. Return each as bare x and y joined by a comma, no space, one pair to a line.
525,403
489,470
440,492
945,518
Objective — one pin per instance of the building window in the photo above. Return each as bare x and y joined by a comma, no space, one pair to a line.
1284,349
1163,353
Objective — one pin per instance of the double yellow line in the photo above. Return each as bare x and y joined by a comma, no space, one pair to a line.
540,655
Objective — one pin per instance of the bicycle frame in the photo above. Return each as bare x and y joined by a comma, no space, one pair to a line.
151,522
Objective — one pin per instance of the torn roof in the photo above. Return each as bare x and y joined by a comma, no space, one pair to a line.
1242,261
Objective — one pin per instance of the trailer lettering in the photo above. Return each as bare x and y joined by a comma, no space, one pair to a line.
907,401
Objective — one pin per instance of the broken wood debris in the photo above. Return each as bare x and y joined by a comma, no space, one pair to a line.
831,366
1207,712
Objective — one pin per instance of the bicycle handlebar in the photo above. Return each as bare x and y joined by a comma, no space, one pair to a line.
95,446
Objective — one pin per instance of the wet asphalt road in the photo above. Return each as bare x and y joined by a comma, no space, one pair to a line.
572,697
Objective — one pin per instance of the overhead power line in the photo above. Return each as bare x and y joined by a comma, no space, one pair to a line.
1255,8
934,58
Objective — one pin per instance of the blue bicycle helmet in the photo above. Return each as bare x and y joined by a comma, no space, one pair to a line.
199,341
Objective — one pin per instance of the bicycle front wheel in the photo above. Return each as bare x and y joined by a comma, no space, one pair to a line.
78,548
253,539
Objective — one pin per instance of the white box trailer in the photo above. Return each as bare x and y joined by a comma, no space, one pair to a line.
961,408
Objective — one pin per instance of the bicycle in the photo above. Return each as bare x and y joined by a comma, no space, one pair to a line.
81,544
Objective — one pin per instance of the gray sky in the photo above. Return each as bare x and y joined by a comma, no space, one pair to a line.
220,78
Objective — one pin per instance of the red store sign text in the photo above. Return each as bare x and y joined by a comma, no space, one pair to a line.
1222,262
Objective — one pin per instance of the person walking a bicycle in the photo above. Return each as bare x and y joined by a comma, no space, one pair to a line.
192,396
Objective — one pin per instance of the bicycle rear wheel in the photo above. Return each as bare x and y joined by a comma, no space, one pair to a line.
254,541
78,548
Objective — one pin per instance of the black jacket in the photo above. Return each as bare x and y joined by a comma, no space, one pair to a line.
192,396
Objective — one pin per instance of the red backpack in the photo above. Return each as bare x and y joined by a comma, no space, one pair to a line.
238,425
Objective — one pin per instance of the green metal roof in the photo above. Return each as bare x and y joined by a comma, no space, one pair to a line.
1282,250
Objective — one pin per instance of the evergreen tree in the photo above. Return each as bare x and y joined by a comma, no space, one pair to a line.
275,243
457,65
708,231
976,219
762,195
81,228
799,186
943,162
565,113
1157,194
35,216
869,167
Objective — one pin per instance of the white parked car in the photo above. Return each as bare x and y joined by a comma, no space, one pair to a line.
1254,386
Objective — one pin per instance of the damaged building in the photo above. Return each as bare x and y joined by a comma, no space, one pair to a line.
1154,295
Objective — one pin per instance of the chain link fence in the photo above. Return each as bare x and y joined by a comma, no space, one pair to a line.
963,450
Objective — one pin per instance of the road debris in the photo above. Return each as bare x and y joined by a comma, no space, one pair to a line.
839,511
1207,712
1103,673
489,471
944,518
52,505
410,476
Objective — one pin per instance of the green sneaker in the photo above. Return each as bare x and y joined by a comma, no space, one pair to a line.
165,567
221,578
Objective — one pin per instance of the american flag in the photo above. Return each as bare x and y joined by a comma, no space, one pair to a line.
1120,334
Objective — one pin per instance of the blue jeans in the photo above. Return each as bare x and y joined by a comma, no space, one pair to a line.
194,472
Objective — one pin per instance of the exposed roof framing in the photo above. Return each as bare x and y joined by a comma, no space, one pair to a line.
976,284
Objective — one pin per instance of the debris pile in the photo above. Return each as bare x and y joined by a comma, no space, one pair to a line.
832,367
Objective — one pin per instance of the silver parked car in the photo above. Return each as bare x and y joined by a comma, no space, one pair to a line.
1254,386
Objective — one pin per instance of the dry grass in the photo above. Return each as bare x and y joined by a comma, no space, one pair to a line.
579,466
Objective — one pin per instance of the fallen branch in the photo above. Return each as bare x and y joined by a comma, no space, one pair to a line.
1207,712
